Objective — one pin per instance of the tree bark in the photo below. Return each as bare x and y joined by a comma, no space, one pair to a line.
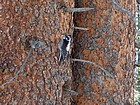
30,31
103,56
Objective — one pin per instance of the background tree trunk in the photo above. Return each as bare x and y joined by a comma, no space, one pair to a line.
109,43
30,31
29,34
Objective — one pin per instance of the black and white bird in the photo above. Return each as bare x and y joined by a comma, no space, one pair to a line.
64,47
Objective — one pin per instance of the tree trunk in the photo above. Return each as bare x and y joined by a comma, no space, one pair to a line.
104,76
102,55
30,31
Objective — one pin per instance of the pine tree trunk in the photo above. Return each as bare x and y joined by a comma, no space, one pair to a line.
102,55
30,31
106,77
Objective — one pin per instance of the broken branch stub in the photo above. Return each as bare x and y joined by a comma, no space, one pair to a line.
78,9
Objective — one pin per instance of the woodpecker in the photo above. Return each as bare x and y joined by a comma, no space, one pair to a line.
64,47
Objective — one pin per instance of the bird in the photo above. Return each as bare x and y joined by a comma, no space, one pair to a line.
64,47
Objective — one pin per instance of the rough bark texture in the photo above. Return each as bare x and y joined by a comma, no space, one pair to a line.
33,28
109,43
30,31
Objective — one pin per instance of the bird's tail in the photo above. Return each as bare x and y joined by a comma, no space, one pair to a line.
60,59
62,56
